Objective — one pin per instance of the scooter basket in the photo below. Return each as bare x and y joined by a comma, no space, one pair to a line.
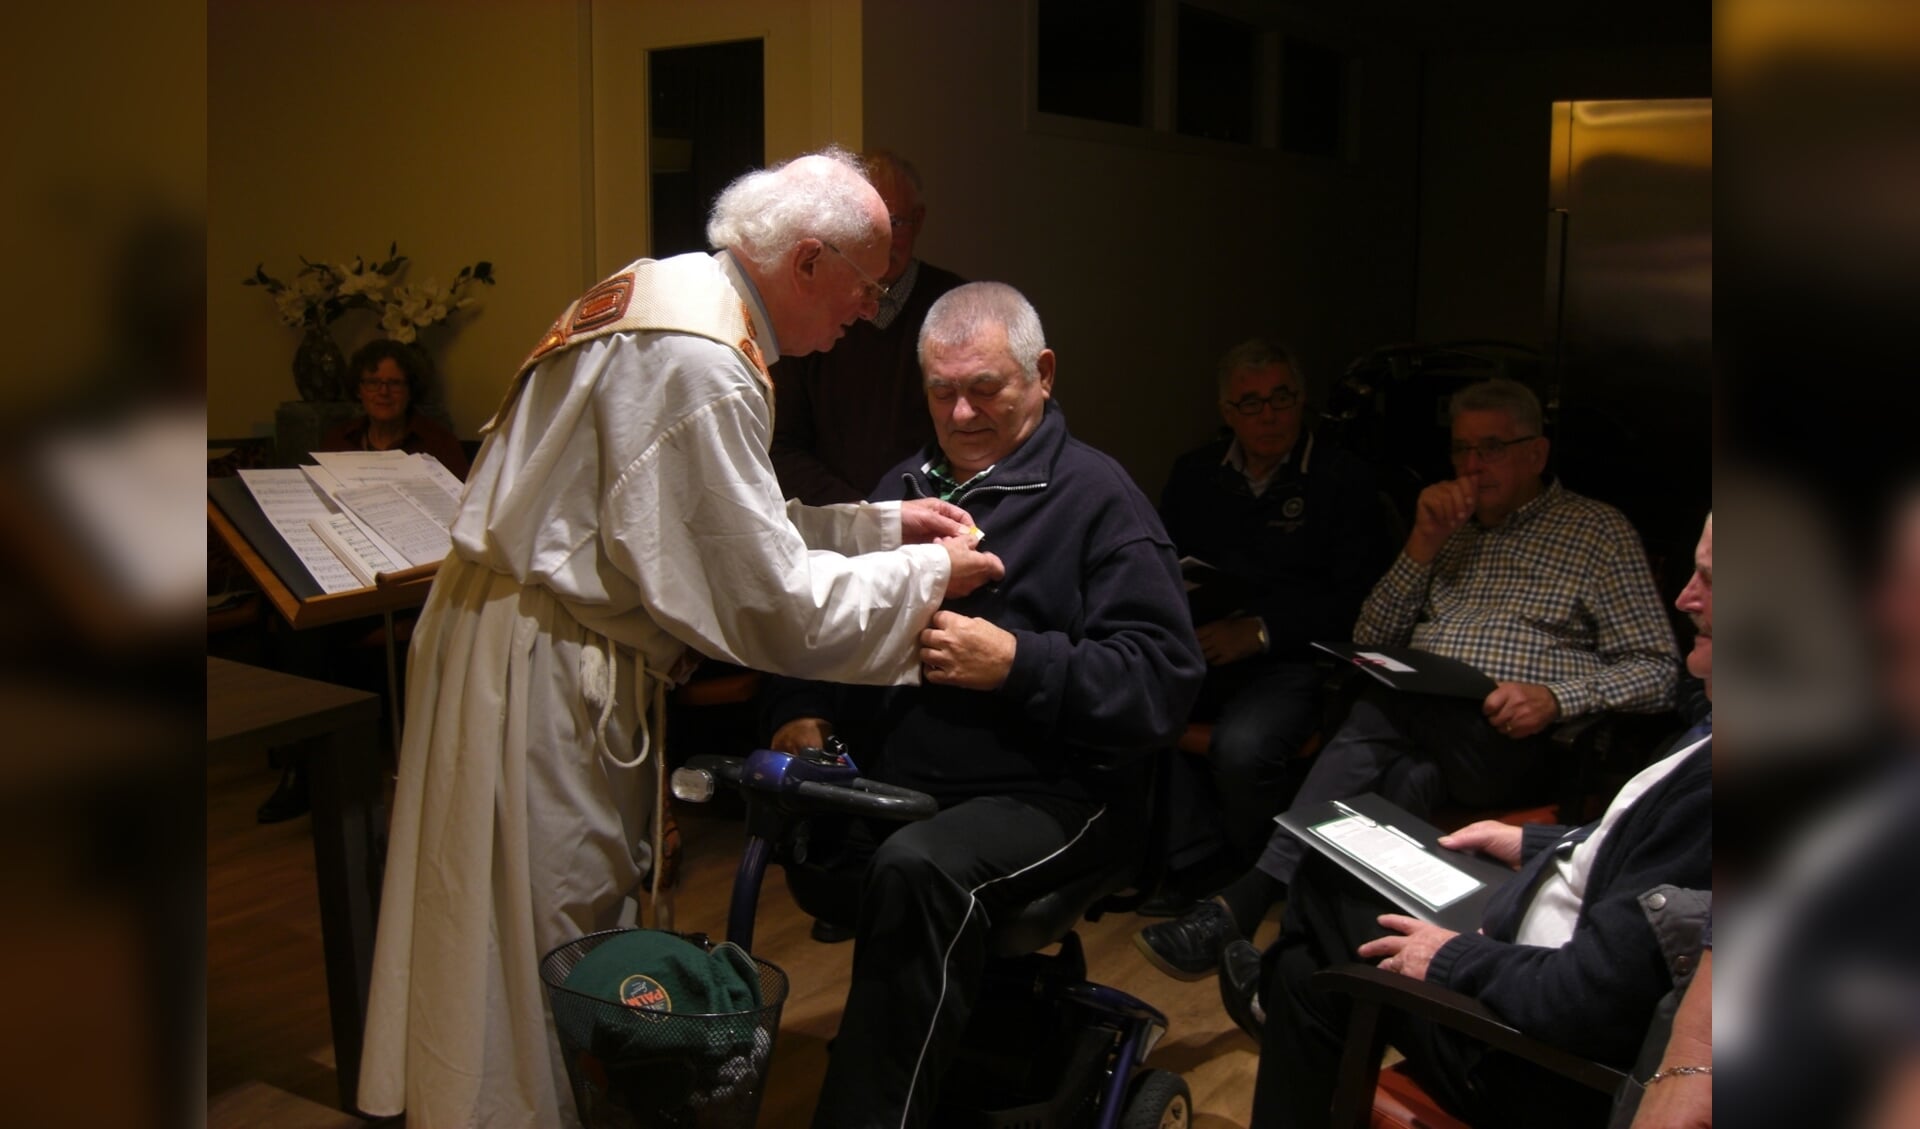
637,1068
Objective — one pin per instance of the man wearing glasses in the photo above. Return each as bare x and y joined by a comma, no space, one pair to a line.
1547,592
844,418
1296,526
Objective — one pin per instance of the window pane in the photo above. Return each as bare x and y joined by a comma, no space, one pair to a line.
1093,59
1217,69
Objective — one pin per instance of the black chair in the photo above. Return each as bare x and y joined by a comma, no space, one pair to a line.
1366,1096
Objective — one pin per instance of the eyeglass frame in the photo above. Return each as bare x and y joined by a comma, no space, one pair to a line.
385,385
1490,450
1252,405
881,291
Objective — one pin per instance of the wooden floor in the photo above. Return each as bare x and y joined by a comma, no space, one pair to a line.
269,1058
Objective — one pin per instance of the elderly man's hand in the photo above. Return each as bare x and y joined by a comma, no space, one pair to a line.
1441,509
925,520
1490,837
959,650
1520,709
1229,640
969,568
802,733
1411,952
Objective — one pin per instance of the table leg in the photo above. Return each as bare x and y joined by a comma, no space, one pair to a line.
345,777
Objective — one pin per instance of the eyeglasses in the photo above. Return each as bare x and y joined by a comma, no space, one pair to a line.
1280,398
1489,450
875,289
383,385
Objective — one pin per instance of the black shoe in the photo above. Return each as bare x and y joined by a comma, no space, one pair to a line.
827,933
1188,947
289,799
1240,987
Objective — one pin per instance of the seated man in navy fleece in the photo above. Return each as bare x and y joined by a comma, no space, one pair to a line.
1576,951
1041,703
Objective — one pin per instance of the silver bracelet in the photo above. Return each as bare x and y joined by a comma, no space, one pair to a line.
1677,1072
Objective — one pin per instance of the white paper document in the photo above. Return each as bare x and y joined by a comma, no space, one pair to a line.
370,468
398,523
1422,873
291,502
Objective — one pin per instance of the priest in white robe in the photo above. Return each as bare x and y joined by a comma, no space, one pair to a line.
622,520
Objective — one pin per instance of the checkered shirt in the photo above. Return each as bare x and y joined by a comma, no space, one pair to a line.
1560,594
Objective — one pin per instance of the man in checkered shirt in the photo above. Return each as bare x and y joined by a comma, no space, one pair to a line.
1547,592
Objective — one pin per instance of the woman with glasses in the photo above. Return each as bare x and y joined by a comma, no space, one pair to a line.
389,377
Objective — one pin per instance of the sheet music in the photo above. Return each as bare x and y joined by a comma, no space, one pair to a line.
365,468
398,523
289,501
362,555
1397,857
432,498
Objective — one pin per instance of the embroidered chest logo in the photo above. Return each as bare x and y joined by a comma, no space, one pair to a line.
1292,508
642,991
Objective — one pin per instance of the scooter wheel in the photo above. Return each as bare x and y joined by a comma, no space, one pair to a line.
1160,1100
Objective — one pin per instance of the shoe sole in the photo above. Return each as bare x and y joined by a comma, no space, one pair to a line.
1161,963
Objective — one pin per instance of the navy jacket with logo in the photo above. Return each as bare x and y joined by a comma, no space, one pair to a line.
1308,549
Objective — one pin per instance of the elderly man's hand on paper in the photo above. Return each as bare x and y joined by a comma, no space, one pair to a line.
1490,837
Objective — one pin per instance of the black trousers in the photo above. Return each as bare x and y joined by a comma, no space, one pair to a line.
929,896
1417,750
1329,915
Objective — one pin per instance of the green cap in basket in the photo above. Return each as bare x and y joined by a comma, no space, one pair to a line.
658,971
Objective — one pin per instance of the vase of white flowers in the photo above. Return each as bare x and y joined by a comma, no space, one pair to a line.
320,293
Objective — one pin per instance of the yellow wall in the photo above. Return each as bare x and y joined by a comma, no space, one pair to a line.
464,130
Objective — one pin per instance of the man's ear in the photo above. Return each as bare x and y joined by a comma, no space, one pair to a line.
806,263
1545,447
1043,371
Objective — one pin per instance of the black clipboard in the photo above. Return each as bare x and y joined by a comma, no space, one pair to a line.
1415,671
1462,915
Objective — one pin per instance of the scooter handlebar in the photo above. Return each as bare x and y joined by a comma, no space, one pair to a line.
855,795
860,796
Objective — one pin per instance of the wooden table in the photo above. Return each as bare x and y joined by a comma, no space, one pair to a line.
250,708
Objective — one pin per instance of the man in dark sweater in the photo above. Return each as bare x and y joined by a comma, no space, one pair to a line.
1042,700
1574,951
1298,533
842,417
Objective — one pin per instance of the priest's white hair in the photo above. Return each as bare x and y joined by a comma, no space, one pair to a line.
821,195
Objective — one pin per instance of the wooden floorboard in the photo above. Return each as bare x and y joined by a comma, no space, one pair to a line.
269,1050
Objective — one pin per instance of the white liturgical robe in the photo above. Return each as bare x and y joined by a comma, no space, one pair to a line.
623,511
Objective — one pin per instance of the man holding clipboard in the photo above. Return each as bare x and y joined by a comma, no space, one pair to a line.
1546,593
1575,949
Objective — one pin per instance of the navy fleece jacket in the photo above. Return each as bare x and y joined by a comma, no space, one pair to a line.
1105,664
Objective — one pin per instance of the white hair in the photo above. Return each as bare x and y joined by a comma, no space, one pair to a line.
963,312
765,213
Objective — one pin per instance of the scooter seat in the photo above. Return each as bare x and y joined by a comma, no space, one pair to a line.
1053,915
